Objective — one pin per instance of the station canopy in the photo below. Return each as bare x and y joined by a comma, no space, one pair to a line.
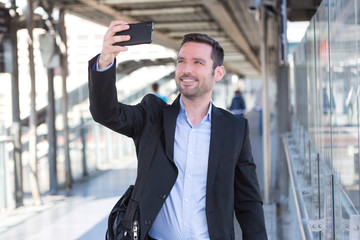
230,22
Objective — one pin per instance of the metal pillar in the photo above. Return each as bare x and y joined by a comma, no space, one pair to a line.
283,111
4,169
33,118
51,133
83,141
16,123
64,65
284,48
265,109
283,104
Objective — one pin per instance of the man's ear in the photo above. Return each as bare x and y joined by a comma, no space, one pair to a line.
219,73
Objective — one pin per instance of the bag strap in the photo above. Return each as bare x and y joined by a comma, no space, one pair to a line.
144,166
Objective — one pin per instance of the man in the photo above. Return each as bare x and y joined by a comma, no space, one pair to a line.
202,169
238,104
155,88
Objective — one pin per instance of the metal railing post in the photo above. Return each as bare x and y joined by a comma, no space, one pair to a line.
3,171
83,148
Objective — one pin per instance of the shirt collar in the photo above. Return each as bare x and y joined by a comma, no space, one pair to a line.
206,118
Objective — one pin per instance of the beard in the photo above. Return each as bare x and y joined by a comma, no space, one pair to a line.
192,91
184,90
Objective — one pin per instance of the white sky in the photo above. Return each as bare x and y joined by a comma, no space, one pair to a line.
296,30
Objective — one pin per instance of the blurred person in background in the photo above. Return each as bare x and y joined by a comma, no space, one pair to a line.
238,105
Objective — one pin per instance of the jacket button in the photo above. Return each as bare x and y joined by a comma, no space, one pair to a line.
147,222
163,196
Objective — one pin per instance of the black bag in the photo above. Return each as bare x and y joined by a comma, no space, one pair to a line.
116,230
124,218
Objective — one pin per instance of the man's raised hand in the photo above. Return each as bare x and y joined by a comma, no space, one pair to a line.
109,50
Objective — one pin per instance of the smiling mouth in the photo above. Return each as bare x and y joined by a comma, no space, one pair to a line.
188,80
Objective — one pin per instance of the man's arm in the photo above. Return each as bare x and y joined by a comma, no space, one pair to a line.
248,204
104,105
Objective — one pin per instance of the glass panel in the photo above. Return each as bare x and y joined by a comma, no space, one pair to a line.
310,50
323,82
322,112
326,105
300,84
344,81
344,77
356,100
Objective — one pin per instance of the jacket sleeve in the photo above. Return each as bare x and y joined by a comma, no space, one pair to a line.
108,111
248,204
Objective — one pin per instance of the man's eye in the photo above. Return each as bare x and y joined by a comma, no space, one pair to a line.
180,61
198,62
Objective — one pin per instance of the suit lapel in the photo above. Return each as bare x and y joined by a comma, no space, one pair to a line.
170,116
217,139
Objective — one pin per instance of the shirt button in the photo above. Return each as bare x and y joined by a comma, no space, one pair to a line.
147,222
188,176
163,196
190,153
186,200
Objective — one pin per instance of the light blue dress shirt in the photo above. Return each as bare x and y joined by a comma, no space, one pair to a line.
183,216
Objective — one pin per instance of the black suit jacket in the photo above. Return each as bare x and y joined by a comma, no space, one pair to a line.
231,181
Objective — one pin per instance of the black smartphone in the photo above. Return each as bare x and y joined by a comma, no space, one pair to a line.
139,32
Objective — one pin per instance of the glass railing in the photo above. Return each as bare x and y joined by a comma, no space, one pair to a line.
319,204
325,131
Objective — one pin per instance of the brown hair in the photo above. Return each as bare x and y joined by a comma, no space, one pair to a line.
217,53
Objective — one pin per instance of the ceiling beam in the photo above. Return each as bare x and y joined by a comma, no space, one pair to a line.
222,17
117,2
245,20
185,25
303,4
180,34
162,11
158,37
300,15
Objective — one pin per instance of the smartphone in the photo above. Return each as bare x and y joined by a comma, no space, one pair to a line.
139,32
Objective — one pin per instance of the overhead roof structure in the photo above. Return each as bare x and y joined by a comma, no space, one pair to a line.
228,21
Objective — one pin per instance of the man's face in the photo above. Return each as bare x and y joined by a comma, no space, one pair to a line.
194,75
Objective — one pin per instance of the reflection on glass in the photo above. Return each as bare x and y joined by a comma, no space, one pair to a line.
326,104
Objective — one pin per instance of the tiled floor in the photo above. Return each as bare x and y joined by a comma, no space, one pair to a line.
79,214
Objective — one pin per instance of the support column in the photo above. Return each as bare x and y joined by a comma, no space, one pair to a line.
33,118
64,66
283,127
83,141
51,133
16,123
265,109
283,103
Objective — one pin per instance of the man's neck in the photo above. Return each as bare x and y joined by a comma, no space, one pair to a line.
196,109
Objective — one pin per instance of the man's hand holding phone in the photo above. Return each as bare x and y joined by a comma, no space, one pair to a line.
109,50
121,34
